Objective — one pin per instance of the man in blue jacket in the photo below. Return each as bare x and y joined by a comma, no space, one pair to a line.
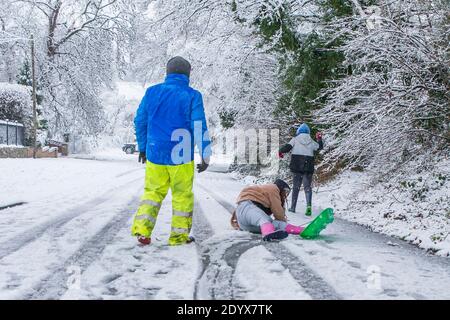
169,123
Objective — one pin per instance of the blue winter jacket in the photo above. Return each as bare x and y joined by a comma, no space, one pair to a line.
170,122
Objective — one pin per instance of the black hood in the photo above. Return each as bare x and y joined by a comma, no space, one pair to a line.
282,185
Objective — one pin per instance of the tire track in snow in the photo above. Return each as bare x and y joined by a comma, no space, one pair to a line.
202,231
16,242
130,171
312,283
9,206
214,281
55,285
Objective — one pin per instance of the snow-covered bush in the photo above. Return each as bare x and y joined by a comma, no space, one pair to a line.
15,102
16,105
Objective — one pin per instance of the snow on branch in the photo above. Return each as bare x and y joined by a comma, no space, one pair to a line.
393,107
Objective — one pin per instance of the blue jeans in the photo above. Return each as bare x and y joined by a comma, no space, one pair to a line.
251,218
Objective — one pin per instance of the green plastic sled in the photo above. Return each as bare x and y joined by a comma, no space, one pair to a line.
319,224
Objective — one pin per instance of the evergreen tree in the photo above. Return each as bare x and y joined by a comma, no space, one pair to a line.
25,78
307,59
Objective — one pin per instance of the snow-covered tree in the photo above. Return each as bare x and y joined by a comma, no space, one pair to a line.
9,49
393,107
77,46
229,67
293,32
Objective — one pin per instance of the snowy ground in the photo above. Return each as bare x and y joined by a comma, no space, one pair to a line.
71,240
425,223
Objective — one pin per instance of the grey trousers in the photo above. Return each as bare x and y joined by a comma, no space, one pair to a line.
306,179
251,218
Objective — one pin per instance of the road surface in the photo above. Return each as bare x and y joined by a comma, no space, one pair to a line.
84,251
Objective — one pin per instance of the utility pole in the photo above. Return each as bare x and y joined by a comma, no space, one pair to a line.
33,75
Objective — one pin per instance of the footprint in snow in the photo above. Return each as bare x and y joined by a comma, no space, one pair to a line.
336,258
139,258
110,278
391,292
354,264
160,273
112,291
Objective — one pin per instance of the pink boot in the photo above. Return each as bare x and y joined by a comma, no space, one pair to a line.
267,228
270,234
294,229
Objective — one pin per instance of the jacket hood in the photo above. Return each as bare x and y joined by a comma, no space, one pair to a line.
304,128
305,139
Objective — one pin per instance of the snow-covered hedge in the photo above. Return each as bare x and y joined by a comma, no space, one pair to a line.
15,104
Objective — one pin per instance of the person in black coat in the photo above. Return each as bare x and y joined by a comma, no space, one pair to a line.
302,147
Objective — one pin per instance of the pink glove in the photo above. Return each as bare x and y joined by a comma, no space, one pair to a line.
281,155
319,136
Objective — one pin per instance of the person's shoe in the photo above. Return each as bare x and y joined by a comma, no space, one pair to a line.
276,236
291,210
296,230
269,234
308,212
179,242
144,240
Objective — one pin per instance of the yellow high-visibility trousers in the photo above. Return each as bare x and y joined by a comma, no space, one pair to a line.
158,180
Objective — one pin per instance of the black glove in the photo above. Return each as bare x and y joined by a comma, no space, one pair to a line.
142,157
203,166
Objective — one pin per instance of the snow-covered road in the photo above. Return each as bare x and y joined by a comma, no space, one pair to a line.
71,240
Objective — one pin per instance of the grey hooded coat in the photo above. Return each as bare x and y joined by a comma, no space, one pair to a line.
303,148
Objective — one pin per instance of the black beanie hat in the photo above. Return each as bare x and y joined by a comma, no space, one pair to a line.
179,65
282,185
